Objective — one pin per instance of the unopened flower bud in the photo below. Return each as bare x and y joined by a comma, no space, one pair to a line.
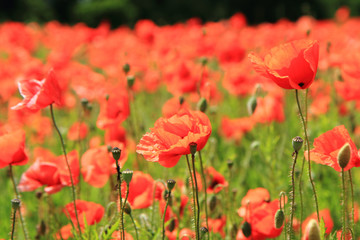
279,218
202,104
15,204
126,68
212,202
313,230
246,229
251,105
84,103
107,96
172,225
297,143
230,163
193,148
181,100
127,208
344,155
127,176
171,184
116,152
203,61
130,81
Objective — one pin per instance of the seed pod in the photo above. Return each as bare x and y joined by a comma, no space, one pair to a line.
344,155
130,81
279,218
116,152
246,229
297,143
171,184
193,148
15,204
127,175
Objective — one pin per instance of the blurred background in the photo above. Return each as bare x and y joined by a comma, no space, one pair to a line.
127,12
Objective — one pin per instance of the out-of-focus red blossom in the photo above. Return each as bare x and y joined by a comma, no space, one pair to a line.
236,128
328,145
65,232
115,133
39,94
261,219
347,236
320,93
184,234
78,131
116,235
98,164
342,14
170,138
90,211
291,65
141,190
215,180
217,225
12,148
114,108
323,214
169,215
50,171
270,108
254,198
173,106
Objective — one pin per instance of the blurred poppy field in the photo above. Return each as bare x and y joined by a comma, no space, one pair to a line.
214,130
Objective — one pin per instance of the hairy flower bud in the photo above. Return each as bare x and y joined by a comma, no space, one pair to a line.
279,218
344,155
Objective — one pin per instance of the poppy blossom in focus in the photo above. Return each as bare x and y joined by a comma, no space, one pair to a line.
39,94
170,138
328,145
291,65
12,147
90,211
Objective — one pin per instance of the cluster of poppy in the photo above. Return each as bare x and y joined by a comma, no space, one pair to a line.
154,62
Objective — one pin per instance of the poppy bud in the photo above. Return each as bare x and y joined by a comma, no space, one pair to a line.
39,194
127,176
116,152
41,228
202,104
313,230
126,68
230,163
127,208
246,229
130,81
279,218
15,204
171,184
344,155
251,105
107,96
193,148
203,61
297,143
212,202
203,231
172,225
181,100
84,103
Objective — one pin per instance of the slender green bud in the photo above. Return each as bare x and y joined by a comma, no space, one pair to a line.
203,61
193,148
313,230
171,184
15,204
127,208
202,104
127,176
297,143
344,155
116,152
212,202
126,68
130,81
251,105
246,229
279,218
172,225
181,100
230,163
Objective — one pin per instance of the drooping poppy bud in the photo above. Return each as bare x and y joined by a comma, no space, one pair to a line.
279,218
246,229
344,155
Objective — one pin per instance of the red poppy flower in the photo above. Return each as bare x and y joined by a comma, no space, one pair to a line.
77,131
325,215
291,65
142,190
50,171
254,198
12,148
216,181
270,108
328,145
39,94
217,225
170,138
90,211
173,106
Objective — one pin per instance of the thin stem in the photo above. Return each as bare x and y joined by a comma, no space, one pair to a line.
193,191
205,189
292,208
163,223
343,234
308,153
118,179
68,166
352,203
22,219
123,208
136,232
197,195
13,224
283,198
153,201
301,194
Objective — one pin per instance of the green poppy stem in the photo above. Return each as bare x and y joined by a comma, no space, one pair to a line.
343,232
163,222
205,189
194,196
352,204
292,208
308,153
68,166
